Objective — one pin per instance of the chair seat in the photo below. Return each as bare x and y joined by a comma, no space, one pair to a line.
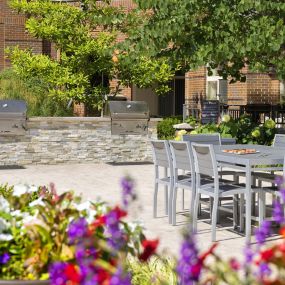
164,180
225,189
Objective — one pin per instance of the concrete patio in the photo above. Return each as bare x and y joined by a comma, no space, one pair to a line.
103,180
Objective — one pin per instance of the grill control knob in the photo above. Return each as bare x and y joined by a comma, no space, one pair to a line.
5,105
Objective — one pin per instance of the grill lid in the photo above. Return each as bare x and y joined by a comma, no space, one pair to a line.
13,107
129,110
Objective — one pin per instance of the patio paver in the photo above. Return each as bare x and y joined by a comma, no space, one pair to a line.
102,180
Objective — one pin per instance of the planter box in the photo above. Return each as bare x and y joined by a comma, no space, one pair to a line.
24,282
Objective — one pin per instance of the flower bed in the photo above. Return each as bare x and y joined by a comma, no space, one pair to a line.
47,236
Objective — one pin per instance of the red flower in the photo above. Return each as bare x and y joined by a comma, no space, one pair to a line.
208,252
234,264
72,274
120,213
99,222
267,254
149,249
103,276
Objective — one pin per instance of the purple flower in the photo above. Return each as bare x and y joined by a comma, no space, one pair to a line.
117,236
56,273
77,229
263,232
248,254
264,270
128,193
120,278
189,265
4,258
278,213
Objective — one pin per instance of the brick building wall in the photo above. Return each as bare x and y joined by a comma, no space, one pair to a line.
259,88
13,33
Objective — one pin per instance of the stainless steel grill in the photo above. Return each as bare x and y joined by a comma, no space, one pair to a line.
129,117
13,117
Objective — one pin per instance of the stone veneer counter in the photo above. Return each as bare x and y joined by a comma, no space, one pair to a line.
53,140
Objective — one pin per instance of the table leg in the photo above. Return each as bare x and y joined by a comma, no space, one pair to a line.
248,204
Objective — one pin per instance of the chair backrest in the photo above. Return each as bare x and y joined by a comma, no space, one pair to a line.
214,139
279,140
181,155
161,153
205,160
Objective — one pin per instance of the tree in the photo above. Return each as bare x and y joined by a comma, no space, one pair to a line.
85,36
227,35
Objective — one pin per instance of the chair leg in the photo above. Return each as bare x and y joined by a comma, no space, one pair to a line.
218,212
199,207
192,203
195,212
248,217
253,199
183,196
214,218
155,200
170,199
173,208
241,213
166,200
261,206
211,206
235,210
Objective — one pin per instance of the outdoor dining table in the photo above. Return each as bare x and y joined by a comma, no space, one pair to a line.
266,158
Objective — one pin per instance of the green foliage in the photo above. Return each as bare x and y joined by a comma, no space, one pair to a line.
34,92
227,35
87,60
158,271
243,129
165,130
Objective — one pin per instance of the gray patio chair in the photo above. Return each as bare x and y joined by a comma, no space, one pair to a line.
273,190
279,141
213,139
205,164
181,158
161,159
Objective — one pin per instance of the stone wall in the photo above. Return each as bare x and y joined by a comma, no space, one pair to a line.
74,140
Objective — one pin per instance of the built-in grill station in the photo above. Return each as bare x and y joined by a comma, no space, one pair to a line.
129,117
13,117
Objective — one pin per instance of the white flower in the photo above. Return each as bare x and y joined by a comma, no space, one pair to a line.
5,237
133,226
39,201
33,220
4,205
83,206
226,118
20,189
4,225
16,213
90,216
33,189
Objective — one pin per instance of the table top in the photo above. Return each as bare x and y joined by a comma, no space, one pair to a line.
266,155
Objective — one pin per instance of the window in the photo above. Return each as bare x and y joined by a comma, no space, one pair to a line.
216,88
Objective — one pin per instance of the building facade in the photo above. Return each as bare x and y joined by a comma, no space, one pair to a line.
189,88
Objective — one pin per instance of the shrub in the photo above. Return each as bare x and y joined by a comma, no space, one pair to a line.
165,130
242,129
34,92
